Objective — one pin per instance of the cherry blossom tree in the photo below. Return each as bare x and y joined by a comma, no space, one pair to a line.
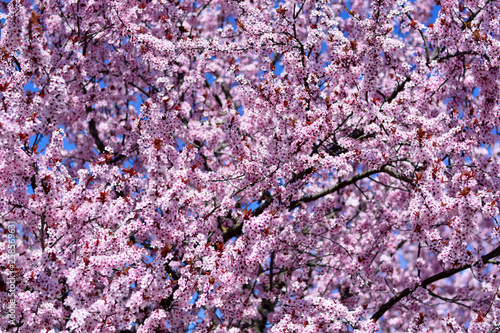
250,165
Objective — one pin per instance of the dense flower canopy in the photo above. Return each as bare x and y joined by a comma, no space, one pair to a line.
250,165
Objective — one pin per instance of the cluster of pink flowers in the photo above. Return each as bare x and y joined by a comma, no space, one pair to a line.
250,166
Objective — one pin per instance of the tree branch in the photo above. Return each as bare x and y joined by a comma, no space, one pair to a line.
398,89
338,186
457,54
350,181
439,276
42,232
473,15
426,43
17,63
388,170
95,135
237,229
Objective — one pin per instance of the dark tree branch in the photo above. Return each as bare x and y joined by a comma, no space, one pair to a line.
140,89
95,135
457,54
426,43
473,15
166,303
234,231
386,169
350,181
266,308
237,229
271,268
301,175
398,89
17,63
439,276
338,186
449,300
42,232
